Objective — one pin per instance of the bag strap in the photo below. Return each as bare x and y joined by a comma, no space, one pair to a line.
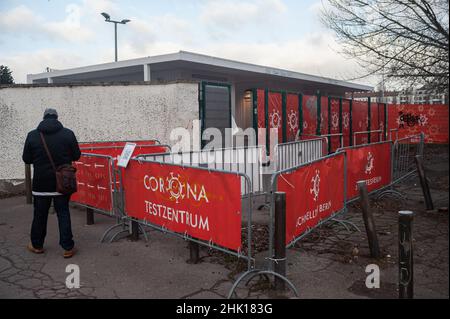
47,151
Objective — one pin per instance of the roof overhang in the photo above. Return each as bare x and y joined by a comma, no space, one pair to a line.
225,64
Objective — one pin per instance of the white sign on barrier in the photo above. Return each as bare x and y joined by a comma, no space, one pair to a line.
126,154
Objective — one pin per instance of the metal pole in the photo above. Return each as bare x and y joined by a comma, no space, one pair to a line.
424,183
89,216
280,239
134,230
115,39
28,188
368,220
405,255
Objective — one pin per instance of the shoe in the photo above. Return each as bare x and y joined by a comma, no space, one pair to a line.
69,253
35,250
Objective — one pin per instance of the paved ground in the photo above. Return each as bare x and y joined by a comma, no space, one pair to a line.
329,263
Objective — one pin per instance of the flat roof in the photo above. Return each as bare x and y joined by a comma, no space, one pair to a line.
200,59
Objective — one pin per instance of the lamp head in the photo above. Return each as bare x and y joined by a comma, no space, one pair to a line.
106,16
124,21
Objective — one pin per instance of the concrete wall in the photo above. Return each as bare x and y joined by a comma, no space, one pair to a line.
94,112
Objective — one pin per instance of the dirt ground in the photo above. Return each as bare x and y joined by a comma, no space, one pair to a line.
328,263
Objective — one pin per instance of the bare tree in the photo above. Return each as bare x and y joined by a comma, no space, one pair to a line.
406,41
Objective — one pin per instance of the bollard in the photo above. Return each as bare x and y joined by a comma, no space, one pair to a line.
424,183
28,187
368,220
405,255
89,216
194,253
134,230
280,239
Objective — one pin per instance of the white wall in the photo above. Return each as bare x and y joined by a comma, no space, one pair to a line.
116,112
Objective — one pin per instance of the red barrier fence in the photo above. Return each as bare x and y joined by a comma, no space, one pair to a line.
275,113
116,151
360,121
334,122
202,204
313,193
412,119
371,163
96,172
309,114
346,122
94,182
324,116
292,116
117,143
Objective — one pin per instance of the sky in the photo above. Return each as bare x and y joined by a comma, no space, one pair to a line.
60,34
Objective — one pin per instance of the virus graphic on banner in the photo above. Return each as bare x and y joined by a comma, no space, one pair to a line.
293,121
335,120
369,165
175,187
275,119
431,112
423,120
346,120
315,189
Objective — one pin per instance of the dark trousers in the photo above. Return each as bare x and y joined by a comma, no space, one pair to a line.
39,226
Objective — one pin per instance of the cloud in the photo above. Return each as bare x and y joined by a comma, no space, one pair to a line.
314,54
21,20
98,6
232,15
36,62
165,28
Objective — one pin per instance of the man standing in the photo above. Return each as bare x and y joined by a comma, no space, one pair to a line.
64,149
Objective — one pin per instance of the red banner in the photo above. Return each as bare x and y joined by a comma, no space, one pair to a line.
368,163
335,129
275,111
360,121
202,204
309,109
313,193
324,115
261,108
292,117
94,182
375,125
346,122
412,119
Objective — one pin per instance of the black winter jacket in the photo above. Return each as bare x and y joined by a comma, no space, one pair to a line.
63,147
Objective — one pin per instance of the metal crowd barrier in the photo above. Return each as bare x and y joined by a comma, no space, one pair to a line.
376,191
86,187
393,130
275,186
244,160
404,151
355,135
295,153
245,178
119,143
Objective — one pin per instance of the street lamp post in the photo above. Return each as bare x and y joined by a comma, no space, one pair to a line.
108,19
